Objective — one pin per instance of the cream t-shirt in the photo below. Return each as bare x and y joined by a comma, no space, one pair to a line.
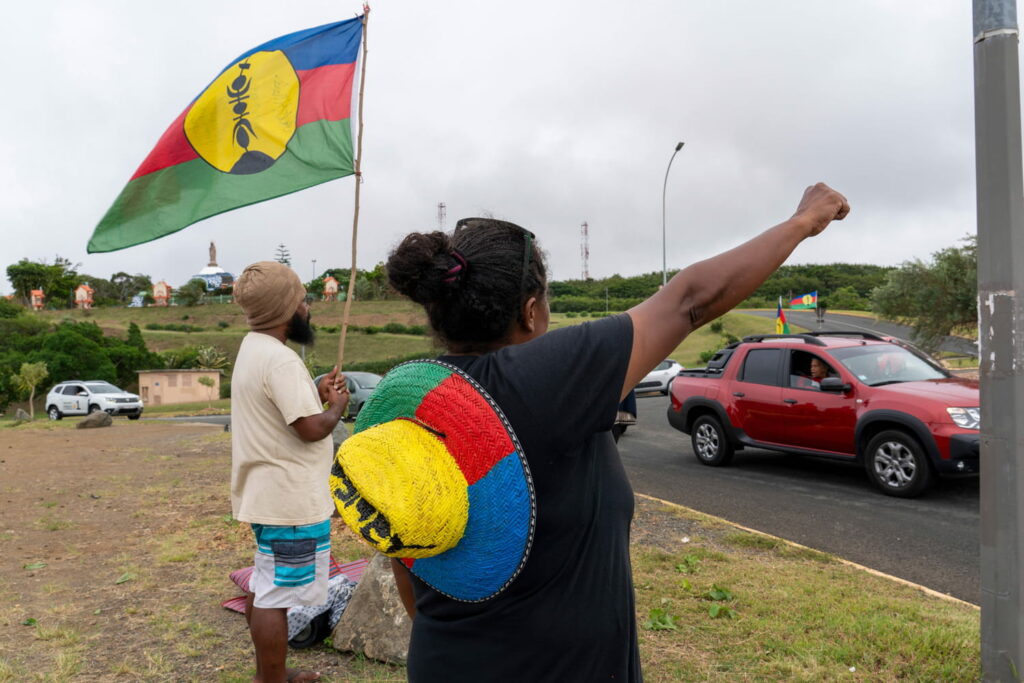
276,477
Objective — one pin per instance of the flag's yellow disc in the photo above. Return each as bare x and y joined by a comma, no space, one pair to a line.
243,121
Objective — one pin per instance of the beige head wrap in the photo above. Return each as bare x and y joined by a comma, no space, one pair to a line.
269,292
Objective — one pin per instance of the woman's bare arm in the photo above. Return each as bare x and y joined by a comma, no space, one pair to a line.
704,291
404,584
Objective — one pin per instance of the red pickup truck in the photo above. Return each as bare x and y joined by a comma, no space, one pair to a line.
883,403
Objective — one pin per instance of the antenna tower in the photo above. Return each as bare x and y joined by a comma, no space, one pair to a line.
585,250
442,215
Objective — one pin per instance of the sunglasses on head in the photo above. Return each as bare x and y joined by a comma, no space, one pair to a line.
528,237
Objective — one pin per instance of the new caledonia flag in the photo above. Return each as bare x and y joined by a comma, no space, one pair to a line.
781,324
275,121
809,300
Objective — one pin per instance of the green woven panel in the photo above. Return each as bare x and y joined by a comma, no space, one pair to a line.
400,393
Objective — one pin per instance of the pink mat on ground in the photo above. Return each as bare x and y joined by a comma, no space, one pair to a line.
353,570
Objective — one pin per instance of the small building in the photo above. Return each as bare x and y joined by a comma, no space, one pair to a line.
161,293
36,299
330,289
83,296
161,387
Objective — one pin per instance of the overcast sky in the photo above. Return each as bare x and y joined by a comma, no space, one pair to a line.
545,114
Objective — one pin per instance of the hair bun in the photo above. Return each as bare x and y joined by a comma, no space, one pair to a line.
424,268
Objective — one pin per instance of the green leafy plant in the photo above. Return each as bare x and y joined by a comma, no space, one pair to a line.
211,358
689,565
660,620
718,611
719,593
34,565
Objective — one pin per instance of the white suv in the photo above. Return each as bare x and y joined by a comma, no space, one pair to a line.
81,398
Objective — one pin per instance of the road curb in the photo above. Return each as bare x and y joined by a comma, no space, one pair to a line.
924,589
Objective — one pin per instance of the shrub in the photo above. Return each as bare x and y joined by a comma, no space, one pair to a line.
154,326
716,327
579,304
225,387
223,324
707,355
9,309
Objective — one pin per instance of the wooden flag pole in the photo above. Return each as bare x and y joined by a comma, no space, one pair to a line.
355,216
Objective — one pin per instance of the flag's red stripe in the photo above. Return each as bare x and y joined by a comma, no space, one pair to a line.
324,93
171,149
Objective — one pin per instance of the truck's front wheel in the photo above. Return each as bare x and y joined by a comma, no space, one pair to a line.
897,464
710,444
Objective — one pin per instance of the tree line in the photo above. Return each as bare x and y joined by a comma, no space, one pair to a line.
936,296
54,352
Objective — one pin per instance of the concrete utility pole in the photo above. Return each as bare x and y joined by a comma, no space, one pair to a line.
1001,334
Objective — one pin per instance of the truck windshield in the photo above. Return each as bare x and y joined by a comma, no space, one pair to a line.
879,364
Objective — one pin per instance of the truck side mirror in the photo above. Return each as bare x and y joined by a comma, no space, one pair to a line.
835,385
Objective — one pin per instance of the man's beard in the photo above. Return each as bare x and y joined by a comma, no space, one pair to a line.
299,330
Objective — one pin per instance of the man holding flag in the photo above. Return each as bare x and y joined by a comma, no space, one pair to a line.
281,455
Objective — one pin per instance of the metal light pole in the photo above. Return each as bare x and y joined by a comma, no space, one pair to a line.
314,269
997,137
664,270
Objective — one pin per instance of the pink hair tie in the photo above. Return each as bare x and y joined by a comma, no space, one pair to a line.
452,274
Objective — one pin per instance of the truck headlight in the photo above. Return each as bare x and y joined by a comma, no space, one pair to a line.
968,418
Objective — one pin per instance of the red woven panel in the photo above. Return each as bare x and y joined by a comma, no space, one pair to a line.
473,433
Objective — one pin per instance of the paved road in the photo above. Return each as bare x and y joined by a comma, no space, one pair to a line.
854,323
826,505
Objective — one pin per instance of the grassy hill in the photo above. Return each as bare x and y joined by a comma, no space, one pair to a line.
360,347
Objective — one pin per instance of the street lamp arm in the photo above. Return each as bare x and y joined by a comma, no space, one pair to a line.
664,188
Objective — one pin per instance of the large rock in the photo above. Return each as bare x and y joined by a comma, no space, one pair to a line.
374,622
97,419
21,415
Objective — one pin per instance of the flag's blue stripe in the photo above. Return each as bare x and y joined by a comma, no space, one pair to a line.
336,43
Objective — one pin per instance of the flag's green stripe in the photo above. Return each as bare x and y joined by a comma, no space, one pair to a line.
173,198
797,307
